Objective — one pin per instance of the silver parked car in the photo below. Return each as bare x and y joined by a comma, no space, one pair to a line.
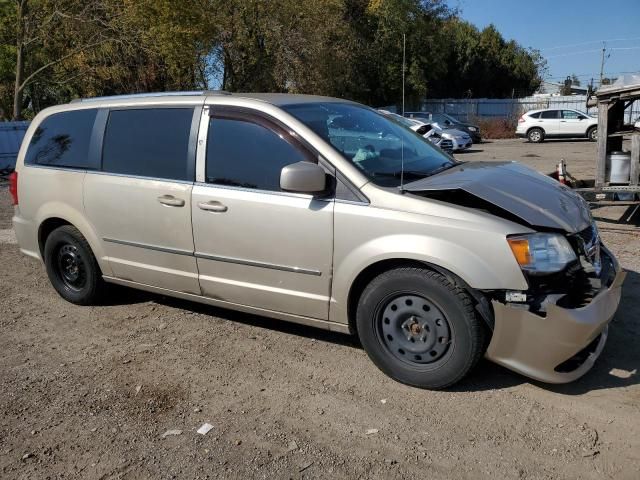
323,212
428,131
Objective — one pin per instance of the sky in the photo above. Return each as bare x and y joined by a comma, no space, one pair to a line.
568,33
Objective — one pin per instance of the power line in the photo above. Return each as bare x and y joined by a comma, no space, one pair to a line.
591,51
590,43
625,48
572,53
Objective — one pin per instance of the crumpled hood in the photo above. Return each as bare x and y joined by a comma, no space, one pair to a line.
535,198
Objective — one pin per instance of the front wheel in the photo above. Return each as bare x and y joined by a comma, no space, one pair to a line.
535,135
71,266
419,328
592,134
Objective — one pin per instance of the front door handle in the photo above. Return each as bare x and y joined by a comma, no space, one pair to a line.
171,201
213,206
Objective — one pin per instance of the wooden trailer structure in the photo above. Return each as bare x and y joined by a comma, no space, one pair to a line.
612,101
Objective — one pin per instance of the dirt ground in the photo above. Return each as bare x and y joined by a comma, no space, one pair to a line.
88,392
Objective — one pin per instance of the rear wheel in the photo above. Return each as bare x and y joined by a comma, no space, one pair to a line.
72,267
535,135
419,328
592,134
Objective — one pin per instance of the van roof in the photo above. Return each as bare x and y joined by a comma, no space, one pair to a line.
278,99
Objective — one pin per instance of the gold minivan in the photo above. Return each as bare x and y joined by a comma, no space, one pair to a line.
324,212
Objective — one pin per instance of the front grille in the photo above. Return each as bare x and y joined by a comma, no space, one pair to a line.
588,241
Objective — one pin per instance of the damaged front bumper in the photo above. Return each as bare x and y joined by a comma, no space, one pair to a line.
559,347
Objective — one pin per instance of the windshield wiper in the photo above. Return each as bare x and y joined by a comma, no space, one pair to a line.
416,173
398,174
443,167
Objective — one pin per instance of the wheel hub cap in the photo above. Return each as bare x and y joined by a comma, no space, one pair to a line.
414,329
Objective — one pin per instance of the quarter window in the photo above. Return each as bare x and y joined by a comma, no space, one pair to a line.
63,140
549,114
151,142
249,154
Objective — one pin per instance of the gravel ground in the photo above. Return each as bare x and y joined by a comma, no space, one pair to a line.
88,392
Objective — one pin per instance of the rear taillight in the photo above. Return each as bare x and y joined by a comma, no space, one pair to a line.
13,187
521,119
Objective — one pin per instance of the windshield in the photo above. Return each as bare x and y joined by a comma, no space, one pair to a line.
407,122
441,117
380,147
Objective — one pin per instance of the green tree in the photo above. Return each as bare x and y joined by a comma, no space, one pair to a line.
55,50
484,64
47,33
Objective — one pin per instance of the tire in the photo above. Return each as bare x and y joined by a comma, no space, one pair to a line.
592,134
535,135
431,339
71,266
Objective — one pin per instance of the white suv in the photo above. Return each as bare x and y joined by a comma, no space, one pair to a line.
537,125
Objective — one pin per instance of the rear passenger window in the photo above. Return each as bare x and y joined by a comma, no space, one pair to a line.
62,140
150,142
246,154
549,114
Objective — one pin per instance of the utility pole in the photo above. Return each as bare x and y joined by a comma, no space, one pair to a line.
404,49
604,49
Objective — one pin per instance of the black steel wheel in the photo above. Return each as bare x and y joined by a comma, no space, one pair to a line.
72,267
419,328
414,329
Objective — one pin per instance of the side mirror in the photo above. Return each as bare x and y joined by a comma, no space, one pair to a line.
303,177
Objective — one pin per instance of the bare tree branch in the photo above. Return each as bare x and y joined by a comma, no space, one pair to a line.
62,59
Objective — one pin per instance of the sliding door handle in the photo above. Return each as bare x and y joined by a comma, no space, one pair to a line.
171,201
212,206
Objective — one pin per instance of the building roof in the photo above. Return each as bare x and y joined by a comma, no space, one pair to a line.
625,87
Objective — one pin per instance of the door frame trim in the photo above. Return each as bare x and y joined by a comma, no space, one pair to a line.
218,258
147,246
251,263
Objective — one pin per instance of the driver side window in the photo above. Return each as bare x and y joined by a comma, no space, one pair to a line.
248,153
570,115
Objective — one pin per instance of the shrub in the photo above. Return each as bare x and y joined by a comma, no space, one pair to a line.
495,128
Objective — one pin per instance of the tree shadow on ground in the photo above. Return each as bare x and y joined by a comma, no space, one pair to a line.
128,296
560,140
469,150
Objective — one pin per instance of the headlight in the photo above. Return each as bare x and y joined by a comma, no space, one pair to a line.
472,129
541,253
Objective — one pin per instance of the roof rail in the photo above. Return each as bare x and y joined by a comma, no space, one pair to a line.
152,94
